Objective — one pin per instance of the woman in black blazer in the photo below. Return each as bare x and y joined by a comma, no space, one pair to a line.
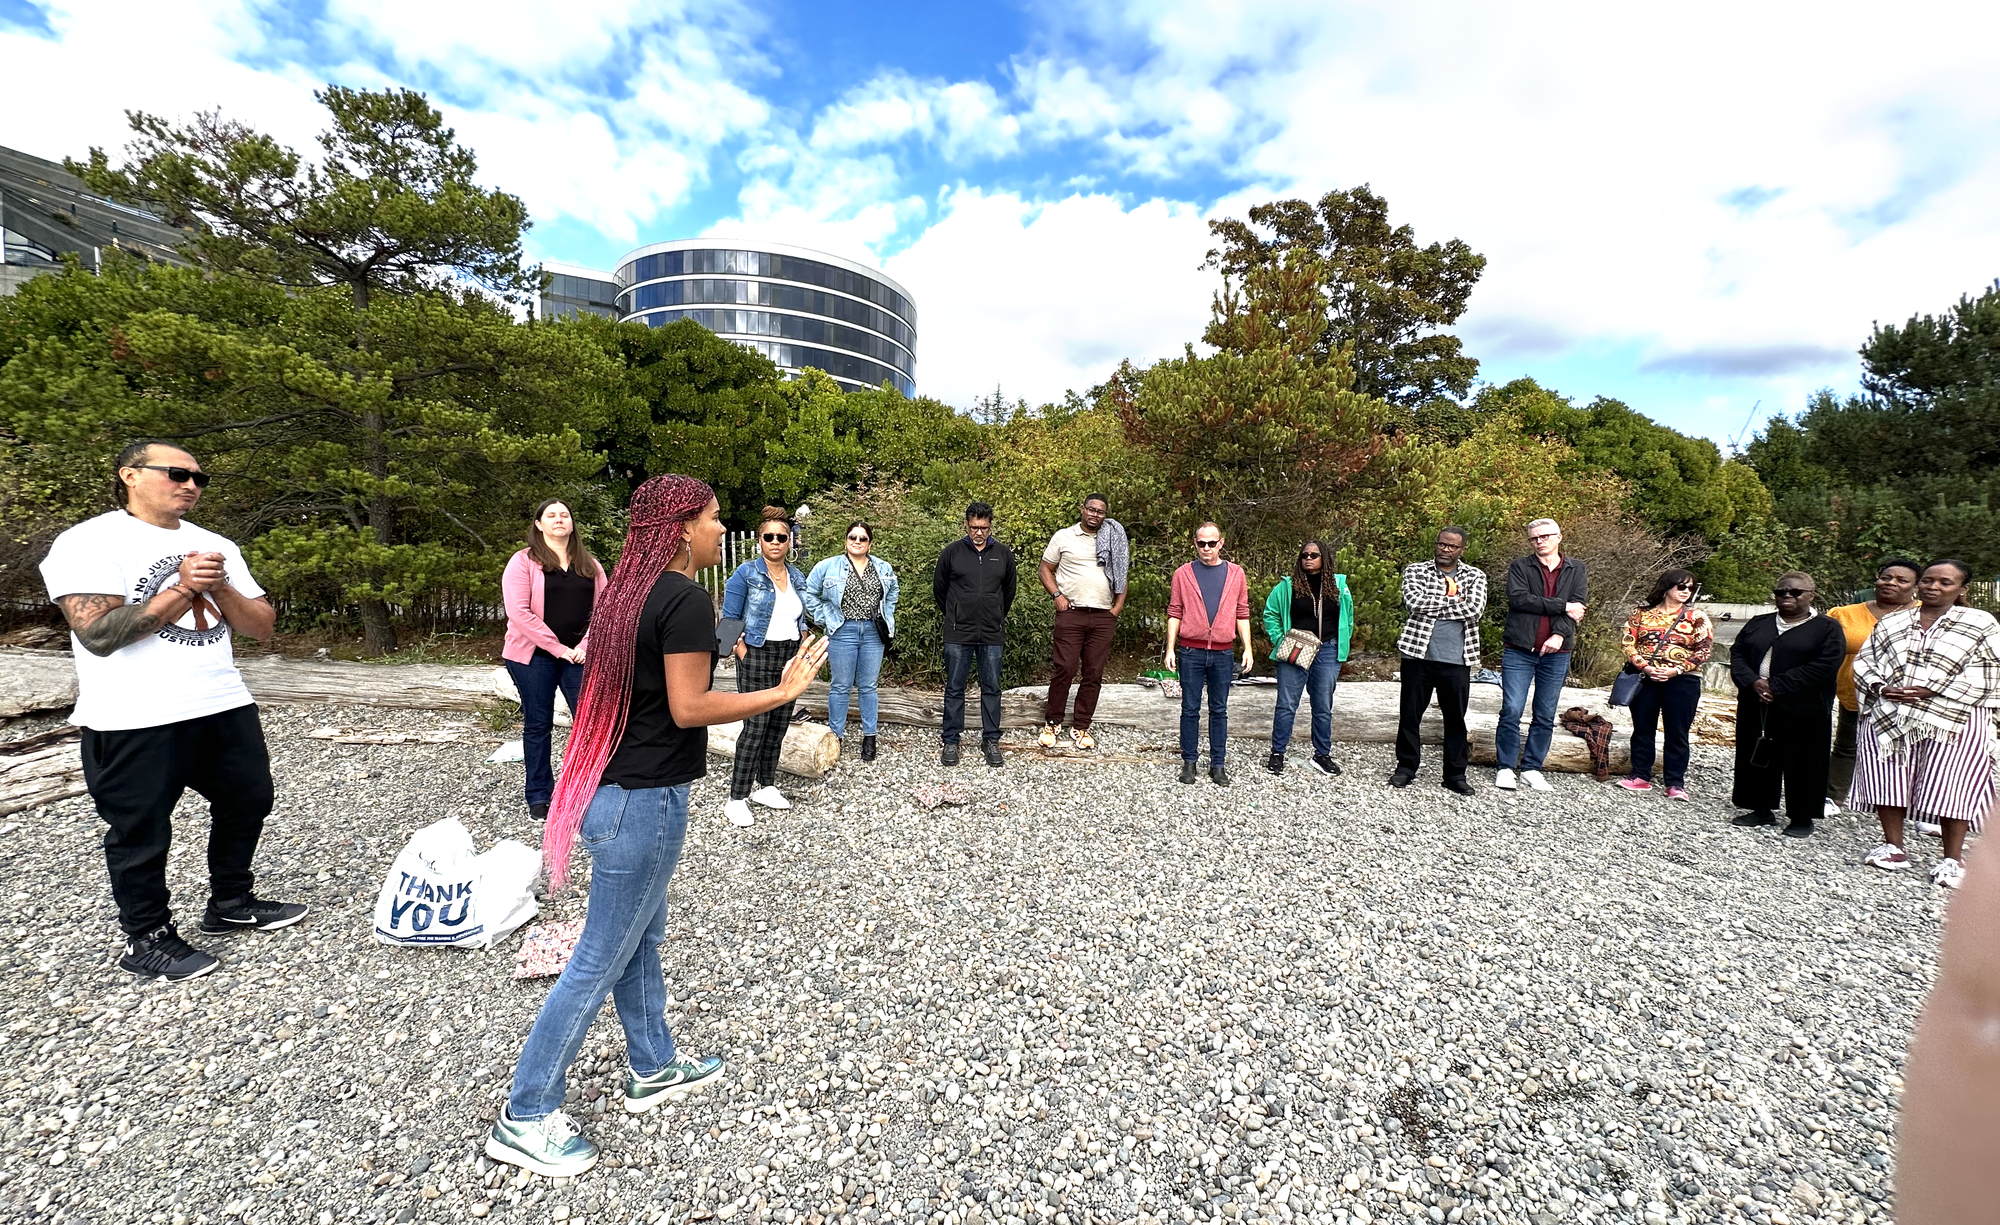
1785,665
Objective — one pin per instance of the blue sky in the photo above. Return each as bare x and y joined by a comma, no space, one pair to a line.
1697,211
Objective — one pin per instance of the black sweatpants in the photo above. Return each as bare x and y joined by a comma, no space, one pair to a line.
1801,740
136,777
1453,685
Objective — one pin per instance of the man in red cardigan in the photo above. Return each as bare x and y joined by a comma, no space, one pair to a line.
1206,594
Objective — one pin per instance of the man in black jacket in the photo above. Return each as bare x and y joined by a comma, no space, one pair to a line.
974,586
1785,665
1545,599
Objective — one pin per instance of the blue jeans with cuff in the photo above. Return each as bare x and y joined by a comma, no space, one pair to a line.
1199,669
1316,683
1518,670
634,839
959,659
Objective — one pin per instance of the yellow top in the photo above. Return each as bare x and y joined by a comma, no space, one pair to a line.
1858,623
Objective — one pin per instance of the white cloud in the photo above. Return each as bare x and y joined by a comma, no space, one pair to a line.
965,119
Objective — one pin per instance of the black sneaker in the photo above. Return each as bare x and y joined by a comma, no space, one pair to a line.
161,953
1277,763
1799,829
1763,816
1188,773
991,748
1401,778
538,812
1218,775
249,912
1325,764
868,748
950,755
1458,785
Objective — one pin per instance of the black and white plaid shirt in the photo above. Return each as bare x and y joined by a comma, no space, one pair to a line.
1427,597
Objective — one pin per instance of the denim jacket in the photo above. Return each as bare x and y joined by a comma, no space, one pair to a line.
750,594
828,582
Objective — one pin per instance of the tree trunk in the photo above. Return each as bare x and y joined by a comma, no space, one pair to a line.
378,632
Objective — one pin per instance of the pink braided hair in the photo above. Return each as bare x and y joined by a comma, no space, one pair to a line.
661,511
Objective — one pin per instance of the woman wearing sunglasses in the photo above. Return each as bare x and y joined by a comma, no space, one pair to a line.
764,594
1309,619
1784,664
549,590
1668,641
852,596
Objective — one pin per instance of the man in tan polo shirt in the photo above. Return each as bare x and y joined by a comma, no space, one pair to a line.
1088,597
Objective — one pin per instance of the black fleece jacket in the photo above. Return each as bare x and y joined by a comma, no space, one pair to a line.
974,589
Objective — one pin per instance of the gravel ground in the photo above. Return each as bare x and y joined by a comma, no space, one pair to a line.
1091,995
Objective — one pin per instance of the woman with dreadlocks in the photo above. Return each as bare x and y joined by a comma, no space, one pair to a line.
637,744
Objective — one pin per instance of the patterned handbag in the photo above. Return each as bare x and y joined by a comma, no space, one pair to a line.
1297,648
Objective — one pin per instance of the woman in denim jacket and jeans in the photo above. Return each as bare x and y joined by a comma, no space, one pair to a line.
844,594
765,592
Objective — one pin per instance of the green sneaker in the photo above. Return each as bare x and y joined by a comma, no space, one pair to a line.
683,1075
552,1146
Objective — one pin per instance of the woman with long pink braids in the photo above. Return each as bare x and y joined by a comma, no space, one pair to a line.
637,744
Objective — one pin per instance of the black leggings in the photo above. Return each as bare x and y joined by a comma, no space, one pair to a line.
1678,698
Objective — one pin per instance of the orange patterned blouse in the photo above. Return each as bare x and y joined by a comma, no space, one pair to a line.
1684,639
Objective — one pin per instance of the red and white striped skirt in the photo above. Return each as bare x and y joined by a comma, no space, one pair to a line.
1938,781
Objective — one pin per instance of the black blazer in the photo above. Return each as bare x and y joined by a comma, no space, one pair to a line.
1805,660
1526,605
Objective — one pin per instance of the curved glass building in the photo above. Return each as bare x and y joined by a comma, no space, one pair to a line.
798,307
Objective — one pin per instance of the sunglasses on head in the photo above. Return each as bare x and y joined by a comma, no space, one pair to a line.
776,537
1791,591
178,475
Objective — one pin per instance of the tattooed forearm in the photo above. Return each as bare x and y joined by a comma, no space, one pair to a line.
104,623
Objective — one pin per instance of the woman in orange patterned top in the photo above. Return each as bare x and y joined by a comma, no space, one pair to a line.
1670,641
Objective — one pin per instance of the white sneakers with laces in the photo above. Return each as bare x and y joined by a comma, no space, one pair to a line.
1504,779
1535,780
1888,857
770,797
1830,809
738,812
1948,874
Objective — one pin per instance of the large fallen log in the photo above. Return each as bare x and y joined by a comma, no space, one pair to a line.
40,769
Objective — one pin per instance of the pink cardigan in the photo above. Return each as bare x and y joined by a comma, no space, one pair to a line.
521,594
1184,601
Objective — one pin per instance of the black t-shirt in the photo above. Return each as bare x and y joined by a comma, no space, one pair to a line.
567,598
678,619
1311,618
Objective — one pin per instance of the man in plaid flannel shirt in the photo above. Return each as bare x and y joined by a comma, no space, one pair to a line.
1440,648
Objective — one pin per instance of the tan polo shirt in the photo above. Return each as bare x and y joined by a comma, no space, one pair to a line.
1073,552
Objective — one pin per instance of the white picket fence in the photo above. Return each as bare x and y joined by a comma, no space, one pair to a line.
737,548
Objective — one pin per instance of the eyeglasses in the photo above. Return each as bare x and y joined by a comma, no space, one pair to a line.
981,528
1544,536
859,539
1791,591
1208,544
179,475
776,537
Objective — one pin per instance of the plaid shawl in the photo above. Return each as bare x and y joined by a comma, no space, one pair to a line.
1959,660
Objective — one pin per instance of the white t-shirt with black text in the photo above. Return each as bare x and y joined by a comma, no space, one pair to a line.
184,670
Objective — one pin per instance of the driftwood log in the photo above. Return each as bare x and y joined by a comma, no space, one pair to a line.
40,769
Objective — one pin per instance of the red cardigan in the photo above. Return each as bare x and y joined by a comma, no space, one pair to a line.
1184,601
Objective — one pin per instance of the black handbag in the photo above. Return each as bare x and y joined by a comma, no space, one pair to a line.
1626,686
882,632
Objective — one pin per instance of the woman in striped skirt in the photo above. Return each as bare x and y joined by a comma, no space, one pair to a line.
1928,681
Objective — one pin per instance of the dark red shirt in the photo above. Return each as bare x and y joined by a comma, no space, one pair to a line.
1549,576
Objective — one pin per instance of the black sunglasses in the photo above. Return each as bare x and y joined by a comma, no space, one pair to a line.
179,475
776,537
1791,591
1208,544
860,539
1308,557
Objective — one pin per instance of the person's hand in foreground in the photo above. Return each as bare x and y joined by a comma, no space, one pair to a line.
1945,1168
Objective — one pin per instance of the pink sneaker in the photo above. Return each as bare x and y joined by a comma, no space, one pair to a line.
1635,784
1677,793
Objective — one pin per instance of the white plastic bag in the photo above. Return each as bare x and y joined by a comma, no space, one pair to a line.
439,892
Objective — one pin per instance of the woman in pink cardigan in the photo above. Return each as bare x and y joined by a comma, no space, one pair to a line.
549,589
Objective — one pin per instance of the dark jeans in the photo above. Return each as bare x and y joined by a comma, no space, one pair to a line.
136,777
1518,670
1840,770
1678,698
1214,670
1453,685
537,681
1796,761
959,660
1083,639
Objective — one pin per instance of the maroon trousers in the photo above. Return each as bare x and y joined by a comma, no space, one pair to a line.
1083,639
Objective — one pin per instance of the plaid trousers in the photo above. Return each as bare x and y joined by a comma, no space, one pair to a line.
763,735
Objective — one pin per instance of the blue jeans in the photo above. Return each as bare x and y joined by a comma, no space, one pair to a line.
1518,670
634,839
1214,670
958,664
855,651
537,681
1316,683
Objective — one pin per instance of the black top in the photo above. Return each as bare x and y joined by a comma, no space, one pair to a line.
974,589
678,619
1528,603
1310,615
567,598
1805,660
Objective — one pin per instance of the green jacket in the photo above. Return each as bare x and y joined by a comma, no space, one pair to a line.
1278,613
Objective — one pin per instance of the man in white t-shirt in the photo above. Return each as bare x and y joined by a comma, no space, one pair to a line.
151,602
1083,571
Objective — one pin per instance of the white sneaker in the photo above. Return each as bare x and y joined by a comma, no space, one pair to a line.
770,797
1932,828
1948,874
1535,780
738,812
1504,779
1830,809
